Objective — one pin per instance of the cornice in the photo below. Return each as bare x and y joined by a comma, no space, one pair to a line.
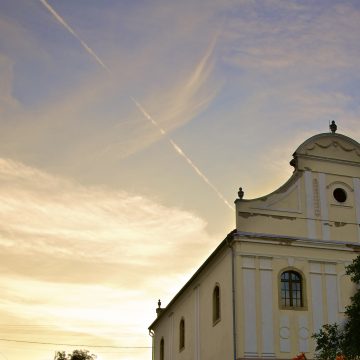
296,241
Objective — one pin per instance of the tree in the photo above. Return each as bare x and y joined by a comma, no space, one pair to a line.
352,325
333,341
329,342
76,355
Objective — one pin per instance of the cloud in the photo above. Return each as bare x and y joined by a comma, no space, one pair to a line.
74,116
296,65
54,229
84,259
62,218
175,107
75,256
7,101
310,38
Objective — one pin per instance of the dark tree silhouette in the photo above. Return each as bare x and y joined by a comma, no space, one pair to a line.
352,325
75,355
333,341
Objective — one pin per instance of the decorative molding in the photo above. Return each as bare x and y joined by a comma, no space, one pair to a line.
324,207
316,300
335,144
339,183
330,268
248,262
303,333
300,258
309,192
291,261
265,263
341,278
278,197
315,267
294,241
284,332
250,315
356,182
331,296
171,337
197,324
316,198
266,296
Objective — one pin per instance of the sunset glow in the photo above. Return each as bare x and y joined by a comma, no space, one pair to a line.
127,129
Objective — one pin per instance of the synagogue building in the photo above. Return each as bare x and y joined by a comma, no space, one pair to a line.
280,275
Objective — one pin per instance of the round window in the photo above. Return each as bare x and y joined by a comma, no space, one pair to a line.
340,195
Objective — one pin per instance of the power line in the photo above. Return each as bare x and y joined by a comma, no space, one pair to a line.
26,326
80,345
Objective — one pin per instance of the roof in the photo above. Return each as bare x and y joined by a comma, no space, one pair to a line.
329,146
331,136
225,243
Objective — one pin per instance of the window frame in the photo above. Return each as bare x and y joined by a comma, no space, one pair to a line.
162,349
303,306
182,334
216,304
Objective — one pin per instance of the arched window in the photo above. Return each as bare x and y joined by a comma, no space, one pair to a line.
182,334
216,304
162,349
291,289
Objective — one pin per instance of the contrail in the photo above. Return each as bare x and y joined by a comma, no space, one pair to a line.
182,154
176,147
72,32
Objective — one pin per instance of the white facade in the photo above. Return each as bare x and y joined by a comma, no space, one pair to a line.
280,275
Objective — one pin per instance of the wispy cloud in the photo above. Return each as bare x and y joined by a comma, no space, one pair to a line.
191,96
180,152
75,255
308,37
182,99
62,218
8,103
82,257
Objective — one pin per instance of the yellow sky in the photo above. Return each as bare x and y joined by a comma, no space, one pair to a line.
108,204
83,264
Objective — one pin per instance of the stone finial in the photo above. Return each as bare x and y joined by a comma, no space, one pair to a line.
333,126
159,309
240,193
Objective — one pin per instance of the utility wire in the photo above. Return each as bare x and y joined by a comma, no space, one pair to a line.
82,345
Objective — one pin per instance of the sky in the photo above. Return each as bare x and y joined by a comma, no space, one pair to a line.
127,128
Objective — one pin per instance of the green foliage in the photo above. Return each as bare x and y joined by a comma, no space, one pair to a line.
60,356
352,325
329,342
354,270
332,340
76,355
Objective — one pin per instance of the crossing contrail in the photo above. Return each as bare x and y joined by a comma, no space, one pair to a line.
182,154
73,33
176,147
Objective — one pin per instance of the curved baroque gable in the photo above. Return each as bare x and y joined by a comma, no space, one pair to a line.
321,200
330,146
